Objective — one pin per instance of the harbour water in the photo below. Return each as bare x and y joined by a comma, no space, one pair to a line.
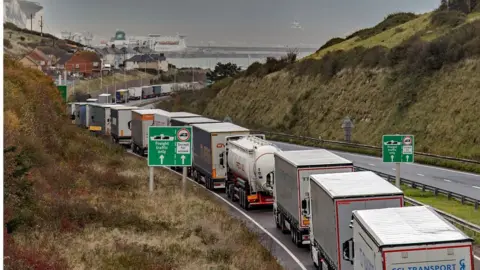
210,61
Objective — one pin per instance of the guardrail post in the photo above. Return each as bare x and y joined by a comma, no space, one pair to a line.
476,205
414,185
449,195
435,191
463,199
423,188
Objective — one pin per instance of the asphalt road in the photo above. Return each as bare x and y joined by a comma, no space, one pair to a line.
290,256
280,245
467,184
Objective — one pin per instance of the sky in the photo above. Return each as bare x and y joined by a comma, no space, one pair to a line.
226,22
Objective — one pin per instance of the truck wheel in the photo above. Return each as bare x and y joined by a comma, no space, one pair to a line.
227,190
299,239
282,224
275,217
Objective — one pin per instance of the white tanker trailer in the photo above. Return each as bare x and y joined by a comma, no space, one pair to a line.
250,166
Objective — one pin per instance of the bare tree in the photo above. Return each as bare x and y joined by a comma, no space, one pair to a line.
292,54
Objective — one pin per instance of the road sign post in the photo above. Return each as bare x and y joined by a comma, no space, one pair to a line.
169,146
398,149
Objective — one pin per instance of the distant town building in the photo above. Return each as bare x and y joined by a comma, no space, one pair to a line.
147,61
85,63
116,57
36,59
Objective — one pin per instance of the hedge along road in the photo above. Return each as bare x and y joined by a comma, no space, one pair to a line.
467,184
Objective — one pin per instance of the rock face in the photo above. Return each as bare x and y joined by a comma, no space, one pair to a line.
18,12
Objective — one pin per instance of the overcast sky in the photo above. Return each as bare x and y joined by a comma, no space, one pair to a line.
226,22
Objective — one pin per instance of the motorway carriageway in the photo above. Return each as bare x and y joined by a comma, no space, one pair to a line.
289,255
467,184
261,222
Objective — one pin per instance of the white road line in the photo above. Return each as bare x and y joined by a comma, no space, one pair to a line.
410,164
476,187
446,180
372,165
476,257
245,215
394,169
419,174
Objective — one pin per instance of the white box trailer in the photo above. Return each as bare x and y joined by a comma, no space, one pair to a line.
100,118
292,172
209,151
105,98
333,197
141,120
163,118
134,93
121,124
407,238
179,121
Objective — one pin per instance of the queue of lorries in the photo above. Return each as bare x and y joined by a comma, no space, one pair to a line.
142,92
349,220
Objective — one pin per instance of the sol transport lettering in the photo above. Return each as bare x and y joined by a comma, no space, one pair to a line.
447,266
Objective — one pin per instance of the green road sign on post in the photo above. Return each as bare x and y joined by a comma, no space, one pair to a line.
169,146
398,148
63,92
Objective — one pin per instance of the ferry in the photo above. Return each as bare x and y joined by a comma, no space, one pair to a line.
155,42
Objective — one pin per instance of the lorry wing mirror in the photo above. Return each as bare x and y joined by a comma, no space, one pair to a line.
348,250
304,204
129,125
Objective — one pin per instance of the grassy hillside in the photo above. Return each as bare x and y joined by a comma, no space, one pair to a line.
94,86
424,83
76,202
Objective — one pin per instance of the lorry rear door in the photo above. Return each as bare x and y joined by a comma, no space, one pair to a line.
430,257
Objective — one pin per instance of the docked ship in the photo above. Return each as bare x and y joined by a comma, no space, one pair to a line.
158,43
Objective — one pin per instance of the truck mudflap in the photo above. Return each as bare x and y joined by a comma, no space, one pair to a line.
260,199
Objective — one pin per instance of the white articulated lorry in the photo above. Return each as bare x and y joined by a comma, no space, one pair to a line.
250,166
332,198
292,172
209,150
407,238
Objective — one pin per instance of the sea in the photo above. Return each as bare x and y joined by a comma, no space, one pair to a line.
207,58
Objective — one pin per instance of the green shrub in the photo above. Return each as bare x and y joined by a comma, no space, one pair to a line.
331,42
448,18
389,22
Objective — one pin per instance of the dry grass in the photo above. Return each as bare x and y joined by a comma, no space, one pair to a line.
94,86
22,43
442,117
395,36
73,201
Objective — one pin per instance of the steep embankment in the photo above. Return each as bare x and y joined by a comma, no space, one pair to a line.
409,74
73,201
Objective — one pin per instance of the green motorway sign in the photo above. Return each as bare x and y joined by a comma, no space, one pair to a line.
398,148
63,91
170,146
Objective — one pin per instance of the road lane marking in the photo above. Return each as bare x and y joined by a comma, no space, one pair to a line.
410,164
394,169
476,187
419,174
245,215
446,180
372,165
